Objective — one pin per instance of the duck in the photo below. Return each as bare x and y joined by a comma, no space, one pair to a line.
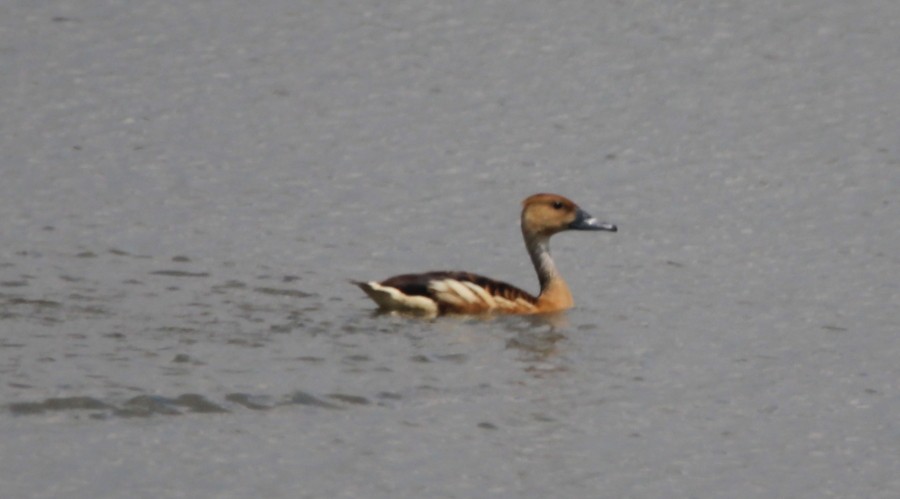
456,292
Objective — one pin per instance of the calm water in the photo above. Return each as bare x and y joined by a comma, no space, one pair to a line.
186,192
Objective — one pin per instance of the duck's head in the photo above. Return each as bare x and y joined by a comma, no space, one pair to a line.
546,214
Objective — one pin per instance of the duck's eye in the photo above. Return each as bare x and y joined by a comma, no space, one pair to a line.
557,205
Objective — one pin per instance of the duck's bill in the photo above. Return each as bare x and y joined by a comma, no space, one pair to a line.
584,221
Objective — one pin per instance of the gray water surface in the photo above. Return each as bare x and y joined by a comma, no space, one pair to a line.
188,187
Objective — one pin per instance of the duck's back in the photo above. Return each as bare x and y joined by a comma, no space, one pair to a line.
452,292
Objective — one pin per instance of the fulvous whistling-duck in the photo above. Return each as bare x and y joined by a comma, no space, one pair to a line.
449,292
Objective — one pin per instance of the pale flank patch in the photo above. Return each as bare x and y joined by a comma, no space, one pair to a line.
527,305
438,286
464,292
446,293
463,295
519,305
393,299
504,304
482,293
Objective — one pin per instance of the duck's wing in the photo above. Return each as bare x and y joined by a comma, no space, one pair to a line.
449,292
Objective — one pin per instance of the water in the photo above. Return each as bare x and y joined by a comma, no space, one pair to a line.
186,192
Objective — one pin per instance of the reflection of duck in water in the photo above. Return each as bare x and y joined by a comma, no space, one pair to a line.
449,292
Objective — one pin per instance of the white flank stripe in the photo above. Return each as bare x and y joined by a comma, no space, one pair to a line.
438,286
482,293
525,303
393,299
504,304
461,290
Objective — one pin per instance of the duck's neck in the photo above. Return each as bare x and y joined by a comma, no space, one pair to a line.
555,294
